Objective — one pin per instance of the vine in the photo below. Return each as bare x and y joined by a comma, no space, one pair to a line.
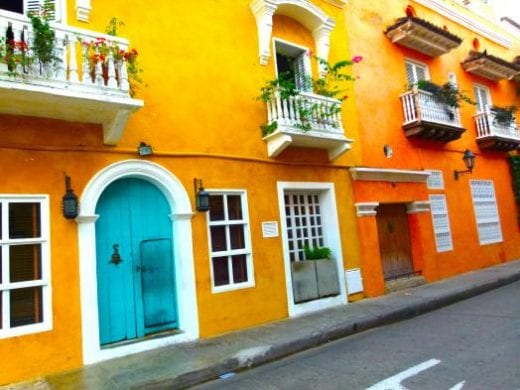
514,162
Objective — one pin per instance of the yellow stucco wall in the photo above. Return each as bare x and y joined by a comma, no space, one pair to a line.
202,74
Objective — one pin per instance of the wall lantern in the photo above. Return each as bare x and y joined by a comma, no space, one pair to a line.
69,202
144,149
201,196
469,162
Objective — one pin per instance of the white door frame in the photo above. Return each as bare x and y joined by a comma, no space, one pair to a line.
181,216
331,237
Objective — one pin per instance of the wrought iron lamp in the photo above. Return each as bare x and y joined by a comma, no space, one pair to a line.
469,162
201,196
69,202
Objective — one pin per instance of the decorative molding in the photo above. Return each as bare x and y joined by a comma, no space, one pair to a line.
87,218
366,209
181,216
421,206
83,8
311,16
338,3
390,175
470,23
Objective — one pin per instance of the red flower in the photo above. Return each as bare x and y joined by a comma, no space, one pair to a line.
357,59
345,97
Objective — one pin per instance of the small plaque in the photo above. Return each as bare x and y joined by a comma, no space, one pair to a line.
270,229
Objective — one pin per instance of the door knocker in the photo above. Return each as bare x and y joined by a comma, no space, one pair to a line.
116,257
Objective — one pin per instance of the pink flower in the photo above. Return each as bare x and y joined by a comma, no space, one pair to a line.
357,59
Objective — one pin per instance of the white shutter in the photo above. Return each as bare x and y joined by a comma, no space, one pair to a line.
302,72
435,181
482,97
486,212
415,72
441,223
36,6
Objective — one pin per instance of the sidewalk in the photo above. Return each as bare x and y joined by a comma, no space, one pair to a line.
188,364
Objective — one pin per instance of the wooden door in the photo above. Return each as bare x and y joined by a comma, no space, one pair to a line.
135,268
394,240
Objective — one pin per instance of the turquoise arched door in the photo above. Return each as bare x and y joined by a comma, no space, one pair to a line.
135,267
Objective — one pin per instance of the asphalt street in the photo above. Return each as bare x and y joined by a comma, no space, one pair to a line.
473,344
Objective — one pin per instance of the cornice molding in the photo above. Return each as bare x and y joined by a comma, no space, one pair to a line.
366,209
422,206
389,175
467,22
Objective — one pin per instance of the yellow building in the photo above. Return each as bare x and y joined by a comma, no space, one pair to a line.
139,260
137,215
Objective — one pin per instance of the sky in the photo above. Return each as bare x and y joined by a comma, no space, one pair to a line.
509,8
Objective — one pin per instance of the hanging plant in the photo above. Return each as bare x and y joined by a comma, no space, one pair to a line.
447,93
514,163
504,116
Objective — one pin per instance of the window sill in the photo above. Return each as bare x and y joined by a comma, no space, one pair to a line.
232,287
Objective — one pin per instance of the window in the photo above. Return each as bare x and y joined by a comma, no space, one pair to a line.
435,181
294,61
441,223
486,212
304,222
25,305
27,6
416,71
230,241
482,97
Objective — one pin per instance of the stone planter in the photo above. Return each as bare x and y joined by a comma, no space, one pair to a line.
314,279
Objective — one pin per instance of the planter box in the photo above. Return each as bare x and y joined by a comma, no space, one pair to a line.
327,277
314,279
304,283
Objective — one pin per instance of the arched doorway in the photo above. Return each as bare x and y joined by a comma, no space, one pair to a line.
135,267
170,203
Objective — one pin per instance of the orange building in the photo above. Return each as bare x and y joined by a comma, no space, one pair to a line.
412,48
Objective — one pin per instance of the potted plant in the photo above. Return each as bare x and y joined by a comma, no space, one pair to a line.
504,116
316,276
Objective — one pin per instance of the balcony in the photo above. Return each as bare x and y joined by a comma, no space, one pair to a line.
422,36
74,89
427,118
322,128
494,135
490,67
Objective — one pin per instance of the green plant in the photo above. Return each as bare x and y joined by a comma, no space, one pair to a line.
43,36
446,93
113,25
504,116
317,253
269,128
514,163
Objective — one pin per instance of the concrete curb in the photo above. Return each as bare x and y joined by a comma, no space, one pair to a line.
336,331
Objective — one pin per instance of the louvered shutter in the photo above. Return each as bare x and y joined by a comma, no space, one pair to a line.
415,72
441,223
482,98
36,6
302,72
486,212
435,180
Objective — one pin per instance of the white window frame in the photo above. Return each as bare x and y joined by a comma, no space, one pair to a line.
247,241
44,282
479,220
436,230
61,11
429,181
332,240
417,63
477,98
305,50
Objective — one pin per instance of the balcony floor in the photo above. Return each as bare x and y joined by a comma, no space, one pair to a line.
433,131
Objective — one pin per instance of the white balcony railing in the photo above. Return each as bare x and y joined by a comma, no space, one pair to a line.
79,87
324,113
319,127
421,106
488,126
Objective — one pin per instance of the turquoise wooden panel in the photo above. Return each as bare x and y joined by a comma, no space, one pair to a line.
131,302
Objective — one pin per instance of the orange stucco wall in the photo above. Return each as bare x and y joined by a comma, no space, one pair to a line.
202,74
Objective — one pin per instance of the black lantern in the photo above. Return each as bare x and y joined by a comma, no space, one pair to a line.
469,162
201,196
69,201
